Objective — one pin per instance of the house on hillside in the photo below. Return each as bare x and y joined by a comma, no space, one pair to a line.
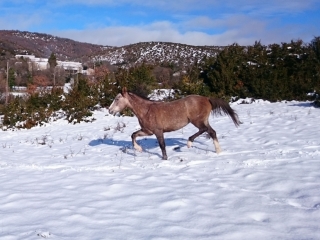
43,64
34,63
74,67
88,71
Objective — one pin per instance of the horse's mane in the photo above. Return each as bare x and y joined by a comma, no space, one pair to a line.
139,96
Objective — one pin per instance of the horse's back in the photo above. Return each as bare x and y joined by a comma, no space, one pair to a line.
171,116
191,103
197,105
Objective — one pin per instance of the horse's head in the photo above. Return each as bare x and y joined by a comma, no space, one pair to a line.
120,102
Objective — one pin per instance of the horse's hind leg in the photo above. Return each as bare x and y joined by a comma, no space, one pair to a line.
191,139
213,135
136,134
205,127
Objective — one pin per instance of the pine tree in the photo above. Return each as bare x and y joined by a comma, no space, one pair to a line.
138,79
314,63
11,78
52,61
223,73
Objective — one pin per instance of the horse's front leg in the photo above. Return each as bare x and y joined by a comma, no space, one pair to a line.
136,134
162,144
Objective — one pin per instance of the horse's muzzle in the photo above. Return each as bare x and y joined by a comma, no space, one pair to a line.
112,112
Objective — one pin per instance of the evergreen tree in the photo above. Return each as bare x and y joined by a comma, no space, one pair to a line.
11,78
314,63
223,73
79,101
52,61
191,82
138,79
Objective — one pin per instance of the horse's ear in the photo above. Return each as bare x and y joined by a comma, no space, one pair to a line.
124,91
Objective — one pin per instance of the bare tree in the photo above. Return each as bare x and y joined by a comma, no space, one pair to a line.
40,83
163,75
59,76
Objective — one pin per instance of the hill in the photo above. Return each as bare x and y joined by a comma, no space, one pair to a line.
42,45
157,52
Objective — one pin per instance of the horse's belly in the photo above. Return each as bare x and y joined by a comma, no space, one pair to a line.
175,124
169,117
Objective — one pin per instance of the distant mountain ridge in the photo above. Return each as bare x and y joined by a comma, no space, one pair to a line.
42,45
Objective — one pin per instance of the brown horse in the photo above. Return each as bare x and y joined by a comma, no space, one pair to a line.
159,117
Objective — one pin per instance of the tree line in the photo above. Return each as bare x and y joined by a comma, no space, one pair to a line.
274,72
286,71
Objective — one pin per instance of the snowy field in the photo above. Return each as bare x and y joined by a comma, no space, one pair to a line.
85,181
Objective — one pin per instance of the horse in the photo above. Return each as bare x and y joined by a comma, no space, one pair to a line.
157,117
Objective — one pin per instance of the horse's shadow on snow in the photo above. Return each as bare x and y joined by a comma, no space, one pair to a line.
146,143
304,104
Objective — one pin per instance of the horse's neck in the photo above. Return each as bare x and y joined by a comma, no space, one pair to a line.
139,106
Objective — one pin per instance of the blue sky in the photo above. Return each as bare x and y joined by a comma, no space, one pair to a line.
194,22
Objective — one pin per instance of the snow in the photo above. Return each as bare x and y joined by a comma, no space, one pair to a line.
162,94
85,181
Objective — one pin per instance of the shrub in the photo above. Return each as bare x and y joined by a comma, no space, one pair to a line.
79,101
27,112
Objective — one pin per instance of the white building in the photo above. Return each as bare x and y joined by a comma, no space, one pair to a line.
75,66
35,63
43,64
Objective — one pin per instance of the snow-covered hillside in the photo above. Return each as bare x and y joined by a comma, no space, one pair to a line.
157,52
85,181
42,45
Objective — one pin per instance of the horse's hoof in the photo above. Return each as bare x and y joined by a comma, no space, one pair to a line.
138,148
189,144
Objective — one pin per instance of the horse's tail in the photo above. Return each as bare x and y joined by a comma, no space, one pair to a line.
221,107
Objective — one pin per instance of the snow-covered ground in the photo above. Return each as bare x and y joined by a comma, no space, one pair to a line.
85,181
